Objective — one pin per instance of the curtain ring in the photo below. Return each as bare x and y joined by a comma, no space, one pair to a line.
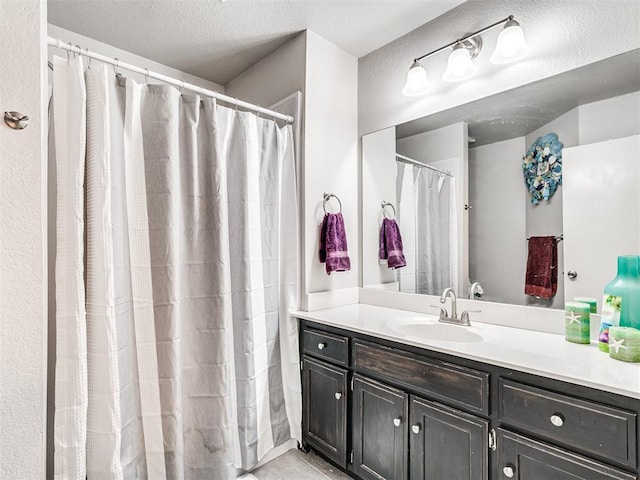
182,88
90,59
71,50
236,109
116,66
146,76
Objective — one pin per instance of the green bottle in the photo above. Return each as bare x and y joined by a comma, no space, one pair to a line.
621,302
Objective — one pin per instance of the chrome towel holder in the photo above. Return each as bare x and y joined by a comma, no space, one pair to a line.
384,206
326,197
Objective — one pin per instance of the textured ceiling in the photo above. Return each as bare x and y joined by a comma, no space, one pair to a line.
217,40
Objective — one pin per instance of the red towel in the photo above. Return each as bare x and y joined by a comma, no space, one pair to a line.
542,267
333,244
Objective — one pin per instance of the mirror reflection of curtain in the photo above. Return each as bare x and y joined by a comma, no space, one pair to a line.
424,215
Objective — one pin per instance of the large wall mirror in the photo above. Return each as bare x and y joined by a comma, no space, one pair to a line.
457,191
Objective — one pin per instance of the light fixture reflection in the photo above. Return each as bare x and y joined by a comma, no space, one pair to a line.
417,83
460,65
511,45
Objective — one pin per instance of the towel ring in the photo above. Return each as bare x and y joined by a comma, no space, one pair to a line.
384,206
326,197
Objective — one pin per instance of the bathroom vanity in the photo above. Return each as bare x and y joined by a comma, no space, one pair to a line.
382,399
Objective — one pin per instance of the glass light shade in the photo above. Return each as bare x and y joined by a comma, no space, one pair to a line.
460,66
511,45
417,83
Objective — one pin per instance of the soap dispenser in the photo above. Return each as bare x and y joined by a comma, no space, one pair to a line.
621,302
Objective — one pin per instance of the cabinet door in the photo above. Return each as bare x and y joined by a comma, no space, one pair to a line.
445,443
521,458
379,430
324,397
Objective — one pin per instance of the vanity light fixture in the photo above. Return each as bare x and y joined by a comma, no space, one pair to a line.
417,82
510,47
511,44
460,65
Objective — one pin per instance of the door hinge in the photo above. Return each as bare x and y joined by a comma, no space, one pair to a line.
493,443
352,388
301,365
351,457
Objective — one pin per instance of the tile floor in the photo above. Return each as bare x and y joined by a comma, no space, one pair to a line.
297,465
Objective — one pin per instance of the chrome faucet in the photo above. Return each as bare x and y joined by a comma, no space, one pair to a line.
475,291
444,316
454,300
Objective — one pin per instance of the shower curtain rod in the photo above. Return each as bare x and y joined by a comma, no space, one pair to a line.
55,42
425,165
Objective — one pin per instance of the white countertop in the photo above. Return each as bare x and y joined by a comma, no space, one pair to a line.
543,354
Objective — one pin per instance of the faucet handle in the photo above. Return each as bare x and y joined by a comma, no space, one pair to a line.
443,311
464,316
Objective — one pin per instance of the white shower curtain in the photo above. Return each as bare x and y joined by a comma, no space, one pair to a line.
183,239
420,213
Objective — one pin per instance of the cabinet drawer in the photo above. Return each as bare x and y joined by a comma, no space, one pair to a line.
334,348
459,386
522,458
605,432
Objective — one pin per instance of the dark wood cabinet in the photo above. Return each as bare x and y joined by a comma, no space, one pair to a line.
412,413
379,430
446,443
521,458
324,396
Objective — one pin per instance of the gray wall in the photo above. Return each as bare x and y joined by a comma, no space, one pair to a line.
497,220
546,217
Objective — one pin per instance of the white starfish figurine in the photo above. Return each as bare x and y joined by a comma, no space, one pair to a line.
617,344
573,318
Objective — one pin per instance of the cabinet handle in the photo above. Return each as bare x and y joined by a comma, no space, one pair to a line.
338,395
415,429
557,420
321,345
508,471
397,421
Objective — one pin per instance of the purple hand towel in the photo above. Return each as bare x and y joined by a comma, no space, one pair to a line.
333,244
391,244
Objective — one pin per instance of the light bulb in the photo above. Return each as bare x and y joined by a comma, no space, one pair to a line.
511,45
460,66
417,83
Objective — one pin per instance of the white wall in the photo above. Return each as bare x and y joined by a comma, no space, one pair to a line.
497,221
331,156
327,76
22,242
124,56
378,184
563,34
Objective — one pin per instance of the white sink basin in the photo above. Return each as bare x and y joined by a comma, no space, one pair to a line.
441,332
